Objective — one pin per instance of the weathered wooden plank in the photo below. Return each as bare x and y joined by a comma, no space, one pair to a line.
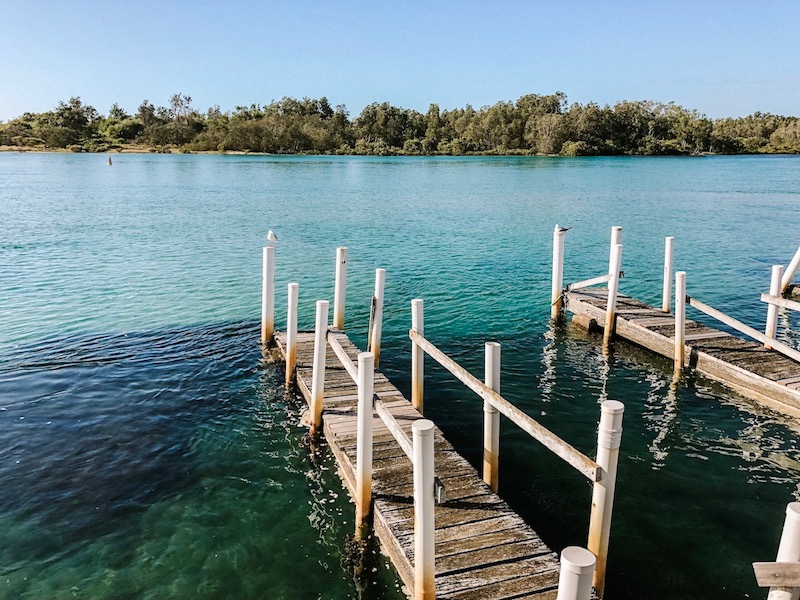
543,574
707,335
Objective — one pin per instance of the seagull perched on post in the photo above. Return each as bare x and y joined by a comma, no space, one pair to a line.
271,237
562,229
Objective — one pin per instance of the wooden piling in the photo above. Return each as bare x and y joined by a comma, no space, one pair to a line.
491,418
616,238
268,294
291,332
366,376
556,298
608,442
667,287
417,356
318,377
376,316
771,328
340,288
613,288
680,320
424,505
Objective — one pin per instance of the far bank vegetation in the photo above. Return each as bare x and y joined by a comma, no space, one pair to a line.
533,124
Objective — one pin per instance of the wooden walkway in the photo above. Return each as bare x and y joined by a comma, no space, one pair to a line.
743,365
483,549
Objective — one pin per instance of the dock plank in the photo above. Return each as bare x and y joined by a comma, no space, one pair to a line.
483,548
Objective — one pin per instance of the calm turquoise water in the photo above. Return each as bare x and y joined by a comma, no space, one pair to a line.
146,451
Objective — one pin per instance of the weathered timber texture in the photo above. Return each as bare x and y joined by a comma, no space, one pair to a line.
483,549
744,365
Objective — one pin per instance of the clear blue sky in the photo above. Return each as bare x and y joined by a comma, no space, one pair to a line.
721,58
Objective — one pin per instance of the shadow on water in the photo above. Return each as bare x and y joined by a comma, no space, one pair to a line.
166,463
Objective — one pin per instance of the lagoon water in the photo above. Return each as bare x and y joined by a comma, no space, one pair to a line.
147,451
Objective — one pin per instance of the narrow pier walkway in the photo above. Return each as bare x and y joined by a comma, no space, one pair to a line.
483,549
746,366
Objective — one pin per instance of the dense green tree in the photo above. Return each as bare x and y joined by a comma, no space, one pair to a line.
534,123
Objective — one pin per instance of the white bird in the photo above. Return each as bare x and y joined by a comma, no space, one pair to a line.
272,237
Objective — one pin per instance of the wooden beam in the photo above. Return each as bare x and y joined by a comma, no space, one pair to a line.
536,430
742,328
394,428
779,301
777,574
588,283
351,369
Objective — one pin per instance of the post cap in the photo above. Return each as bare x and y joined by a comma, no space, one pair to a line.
578,560
423,426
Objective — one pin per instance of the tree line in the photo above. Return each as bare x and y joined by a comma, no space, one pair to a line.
533,124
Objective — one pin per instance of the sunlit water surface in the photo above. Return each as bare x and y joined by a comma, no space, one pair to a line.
147,450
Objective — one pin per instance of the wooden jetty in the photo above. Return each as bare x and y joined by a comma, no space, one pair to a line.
483,548
746,366
760,367
442,524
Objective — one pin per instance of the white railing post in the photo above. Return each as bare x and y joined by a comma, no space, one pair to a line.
788,550
575,578
608,441
771,328
291,332
268,294
340,288
318,370
680,320
491,418
366,384
556,297
417,356
790,271
376,317
666,296
424,506
616,238
613,288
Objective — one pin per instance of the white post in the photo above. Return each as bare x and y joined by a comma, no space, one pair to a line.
268,294
417,356
340,288
616,238
613,288
491,418
772,311
556,297
575,578
291,333
790,271
366,384
680,320
318,370
424,565
608,441
376,324
788,550
665,298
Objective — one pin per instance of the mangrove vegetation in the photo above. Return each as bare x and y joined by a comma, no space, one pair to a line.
533,124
